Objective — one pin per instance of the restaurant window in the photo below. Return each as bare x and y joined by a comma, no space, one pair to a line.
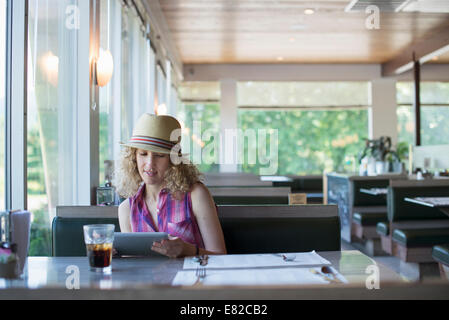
434,112
51,107
161,108
174,101
2,100
135,69
152,80
199,114
109,99
320,125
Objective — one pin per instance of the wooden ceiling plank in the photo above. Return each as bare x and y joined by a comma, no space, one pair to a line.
255,31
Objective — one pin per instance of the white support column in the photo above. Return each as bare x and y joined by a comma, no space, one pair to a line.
382,120
86,167
16,103
228,123
116,49
67,92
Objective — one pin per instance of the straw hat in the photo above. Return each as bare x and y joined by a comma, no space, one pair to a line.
153,132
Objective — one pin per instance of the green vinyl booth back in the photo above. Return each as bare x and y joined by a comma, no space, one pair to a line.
259,229
270,235
68,236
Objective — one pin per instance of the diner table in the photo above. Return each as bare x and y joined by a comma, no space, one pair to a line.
375,191
152,277
441,203
276,178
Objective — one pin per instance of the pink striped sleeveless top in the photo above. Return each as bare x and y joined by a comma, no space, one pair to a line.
174,216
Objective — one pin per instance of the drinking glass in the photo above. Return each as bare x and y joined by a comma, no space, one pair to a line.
99,239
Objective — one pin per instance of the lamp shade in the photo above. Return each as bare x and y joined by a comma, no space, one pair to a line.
161,109
50,66
104,67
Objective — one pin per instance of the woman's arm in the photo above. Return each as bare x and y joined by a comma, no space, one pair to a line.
124,212
203,207
206,216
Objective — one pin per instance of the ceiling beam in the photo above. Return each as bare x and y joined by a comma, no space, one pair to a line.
281,72
424,51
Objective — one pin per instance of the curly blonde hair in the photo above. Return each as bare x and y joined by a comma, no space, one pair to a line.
178,179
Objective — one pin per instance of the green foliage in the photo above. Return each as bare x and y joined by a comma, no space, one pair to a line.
434,128
379,149
103,144
310,141
208,116
402,150
35,169
40,235
431,92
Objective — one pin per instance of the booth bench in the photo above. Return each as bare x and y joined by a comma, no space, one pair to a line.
247,229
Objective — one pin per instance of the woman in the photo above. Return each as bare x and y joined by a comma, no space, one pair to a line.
163,196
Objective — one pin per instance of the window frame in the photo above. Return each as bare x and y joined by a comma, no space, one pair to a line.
422,104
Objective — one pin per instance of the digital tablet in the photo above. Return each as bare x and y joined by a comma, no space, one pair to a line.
137,243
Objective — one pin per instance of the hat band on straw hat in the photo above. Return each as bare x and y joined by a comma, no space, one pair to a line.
153,142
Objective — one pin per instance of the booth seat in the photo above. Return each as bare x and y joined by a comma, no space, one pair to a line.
68,237
250,195
413,229
273,234
247,229
367,209
364,224
415,245
441,254
383,229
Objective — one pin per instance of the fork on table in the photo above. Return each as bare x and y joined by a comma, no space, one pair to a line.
200,274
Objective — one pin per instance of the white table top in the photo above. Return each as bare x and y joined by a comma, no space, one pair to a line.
375,191
435,202
276,178
441,203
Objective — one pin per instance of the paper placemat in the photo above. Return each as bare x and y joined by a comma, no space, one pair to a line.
258,260
277,276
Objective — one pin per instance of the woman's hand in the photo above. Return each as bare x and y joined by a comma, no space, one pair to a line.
173,247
